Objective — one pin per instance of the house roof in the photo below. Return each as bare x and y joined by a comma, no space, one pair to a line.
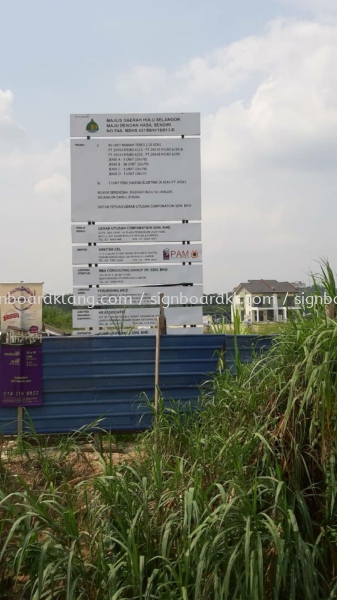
266,286
51,330
17,329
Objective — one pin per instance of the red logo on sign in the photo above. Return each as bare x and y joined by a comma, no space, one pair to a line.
11,316
33,329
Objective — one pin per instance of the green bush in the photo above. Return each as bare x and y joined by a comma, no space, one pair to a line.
56,317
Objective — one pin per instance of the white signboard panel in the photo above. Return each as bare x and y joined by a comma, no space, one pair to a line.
109,332
135,317
120,125
117,276
137,296
115,317
170,331
183,315
136,254
135,180
185,330
132,232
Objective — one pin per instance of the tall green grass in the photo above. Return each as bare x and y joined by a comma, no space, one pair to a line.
234,501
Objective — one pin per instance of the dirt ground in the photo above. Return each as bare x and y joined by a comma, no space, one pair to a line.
42,466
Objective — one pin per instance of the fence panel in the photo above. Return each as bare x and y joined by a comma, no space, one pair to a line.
87,378
248,345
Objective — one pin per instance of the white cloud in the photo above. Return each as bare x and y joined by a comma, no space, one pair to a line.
287,48
56,185
269,147
6,99
35,207
143,77
8,129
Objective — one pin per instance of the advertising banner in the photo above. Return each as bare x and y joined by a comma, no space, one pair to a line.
117,276
136,254
21,313
132,232
135,180
122,125
21,350
21,375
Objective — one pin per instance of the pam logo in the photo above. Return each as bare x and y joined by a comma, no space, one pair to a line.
92,127
183,254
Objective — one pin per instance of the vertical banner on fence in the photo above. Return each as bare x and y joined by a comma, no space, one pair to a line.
21,344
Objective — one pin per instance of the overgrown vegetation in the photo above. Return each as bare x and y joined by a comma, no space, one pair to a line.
235,501
57,317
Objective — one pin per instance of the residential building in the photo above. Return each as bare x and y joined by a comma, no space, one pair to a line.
264,300
17,336
300,285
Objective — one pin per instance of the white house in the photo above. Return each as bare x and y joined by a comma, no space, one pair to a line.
15,335
264,300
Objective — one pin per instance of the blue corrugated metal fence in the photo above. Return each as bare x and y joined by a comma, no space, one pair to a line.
85,378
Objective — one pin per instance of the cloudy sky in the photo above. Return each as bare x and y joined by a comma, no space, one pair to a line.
262,74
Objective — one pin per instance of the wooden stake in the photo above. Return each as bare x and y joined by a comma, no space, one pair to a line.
162,318
20,420
98,441
156,369
330,310
161,330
